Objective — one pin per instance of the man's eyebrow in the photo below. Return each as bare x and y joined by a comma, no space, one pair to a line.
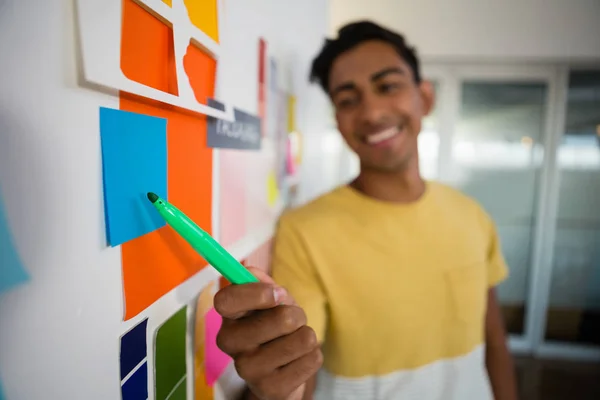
387,71
377,75
342,87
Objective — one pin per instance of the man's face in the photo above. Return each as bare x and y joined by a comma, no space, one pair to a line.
379,106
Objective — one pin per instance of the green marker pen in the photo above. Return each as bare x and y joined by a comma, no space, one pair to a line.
203,243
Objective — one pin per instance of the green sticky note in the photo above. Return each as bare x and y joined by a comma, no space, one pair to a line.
169,360
180,391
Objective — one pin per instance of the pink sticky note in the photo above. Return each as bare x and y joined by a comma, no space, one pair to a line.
233,195
291,167
216,361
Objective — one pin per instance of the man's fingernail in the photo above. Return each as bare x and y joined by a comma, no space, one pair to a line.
279,294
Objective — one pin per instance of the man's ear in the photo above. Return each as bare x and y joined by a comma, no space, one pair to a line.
427,96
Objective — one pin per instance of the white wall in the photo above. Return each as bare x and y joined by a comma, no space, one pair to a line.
59,332
454,29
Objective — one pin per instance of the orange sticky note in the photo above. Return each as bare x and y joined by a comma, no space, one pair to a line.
159,261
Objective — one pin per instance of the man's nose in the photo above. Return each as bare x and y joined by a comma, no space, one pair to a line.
372,110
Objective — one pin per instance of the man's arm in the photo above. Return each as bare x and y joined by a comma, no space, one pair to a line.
497,357
292,268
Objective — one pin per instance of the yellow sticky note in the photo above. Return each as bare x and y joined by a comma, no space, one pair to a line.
291,123
204,15
202,391
272,189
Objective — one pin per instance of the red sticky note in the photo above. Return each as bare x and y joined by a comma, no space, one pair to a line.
216,361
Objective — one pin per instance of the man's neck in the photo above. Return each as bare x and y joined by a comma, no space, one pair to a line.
397,187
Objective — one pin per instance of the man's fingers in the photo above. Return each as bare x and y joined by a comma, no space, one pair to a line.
235,301
276,354
284,298
266,334
289,378
246,334
261,275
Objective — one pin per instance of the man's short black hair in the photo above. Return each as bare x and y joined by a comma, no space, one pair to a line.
353,34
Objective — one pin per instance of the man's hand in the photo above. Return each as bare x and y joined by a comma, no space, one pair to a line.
266,334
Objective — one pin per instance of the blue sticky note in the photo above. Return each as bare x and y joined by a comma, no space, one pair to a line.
12,272
134,162
136,387
133,348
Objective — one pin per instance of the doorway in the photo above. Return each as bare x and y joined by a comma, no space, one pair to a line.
524,140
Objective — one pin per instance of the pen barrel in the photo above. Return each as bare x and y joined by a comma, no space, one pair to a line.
207,247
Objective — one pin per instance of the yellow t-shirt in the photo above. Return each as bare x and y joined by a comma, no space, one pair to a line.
396,292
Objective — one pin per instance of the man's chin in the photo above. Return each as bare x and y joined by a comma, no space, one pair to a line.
396,161
385,168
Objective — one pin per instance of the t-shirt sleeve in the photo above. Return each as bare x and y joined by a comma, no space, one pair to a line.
497,269
292,269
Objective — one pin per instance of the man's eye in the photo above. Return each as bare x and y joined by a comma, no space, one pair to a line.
388,87
346,103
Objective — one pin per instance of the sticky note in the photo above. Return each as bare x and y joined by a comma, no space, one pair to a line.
170,365
136,387
291,113
133,348
2,393
12,272
273,76
203,14
154,264
134,363
216,361
272,189
262,83
198,66
204,302
289,158
233,193
134,162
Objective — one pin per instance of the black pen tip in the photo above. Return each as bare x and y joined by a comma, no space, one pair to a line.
152,197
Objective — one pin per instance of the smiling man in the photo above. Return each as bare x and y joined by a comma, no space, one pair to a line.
389,280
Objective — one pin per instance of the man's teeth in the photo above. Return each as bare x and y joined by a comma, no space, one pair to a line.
383,135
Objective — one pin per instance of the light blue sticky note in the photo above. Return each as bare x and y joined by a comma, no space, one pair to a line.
134,162
12,272
2,393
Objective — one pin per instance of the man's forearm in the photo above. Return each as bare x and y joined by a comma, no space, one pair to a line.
498,359
500,369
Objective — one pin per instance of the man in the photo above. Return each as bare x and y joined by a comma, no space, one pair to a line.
389,281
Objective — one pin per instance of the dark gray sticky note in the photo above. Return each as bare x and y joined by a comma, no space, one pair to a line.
242,134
